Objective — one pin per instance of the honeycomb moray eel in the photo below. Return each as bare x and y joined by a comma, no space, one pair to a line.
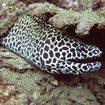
46,47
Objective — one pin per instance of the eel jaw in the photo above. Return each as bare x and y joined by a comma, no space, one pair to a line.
94,66
87,65
84,67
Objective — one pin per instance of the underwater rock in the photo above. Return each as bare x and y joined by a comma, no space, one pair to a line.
9,12
84,20
82,17
10,95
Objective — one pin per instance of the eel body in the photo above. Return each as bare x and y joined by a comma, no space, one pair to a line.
47,48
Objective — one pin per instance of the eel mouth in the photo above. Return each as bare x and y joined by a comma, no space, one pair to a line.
88,64
96,59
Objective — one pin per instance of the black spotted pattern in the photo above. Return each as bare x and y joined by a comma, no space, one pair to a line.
47,48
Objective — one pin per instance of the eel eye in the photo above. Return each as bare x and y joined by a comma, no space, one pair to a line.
96,51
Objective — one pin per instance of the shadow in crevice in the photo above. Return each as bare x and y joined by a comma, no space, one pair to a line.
96,37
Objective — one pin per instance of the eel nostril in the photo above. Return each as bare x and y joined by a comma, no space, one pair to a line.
100,52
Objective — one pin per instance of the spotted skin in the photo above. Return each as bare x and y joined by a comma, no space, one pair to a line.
47,48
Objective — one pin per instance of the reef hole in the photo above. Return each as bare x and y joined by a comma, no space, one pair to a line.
96,37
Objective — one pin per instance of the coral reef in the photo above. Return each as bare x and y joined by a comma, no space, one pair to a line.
27,2
9,95
9,12
42,87
84,20
83,14
70,4
47,89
